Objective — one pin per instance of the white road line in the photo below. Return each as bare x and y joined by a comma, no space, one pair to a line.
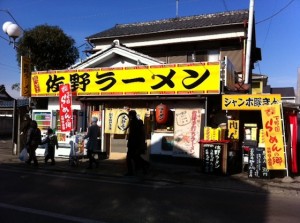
49,214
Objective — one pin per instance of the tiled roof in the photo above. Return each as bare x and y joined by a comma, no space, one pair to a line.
10,104
4,96
174,24
284,91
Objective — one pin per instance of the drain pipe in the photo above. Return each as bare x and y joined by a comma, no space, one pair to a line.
249,41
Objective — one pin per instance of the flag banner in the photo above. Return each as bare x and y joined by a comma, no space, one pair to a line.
273,134
65,108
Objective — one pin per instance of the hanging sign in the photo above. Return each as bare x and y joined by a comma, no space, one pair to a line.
117,120
65,108
274,146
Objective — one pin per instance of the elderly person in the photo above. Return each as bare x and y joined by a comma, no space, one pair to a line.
93,144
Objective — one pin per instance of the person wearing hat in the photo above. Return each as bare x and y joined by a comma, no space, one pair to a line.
93,144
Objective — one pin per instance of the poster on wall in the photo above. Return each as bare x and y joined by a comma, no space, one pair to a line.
96,114
187,132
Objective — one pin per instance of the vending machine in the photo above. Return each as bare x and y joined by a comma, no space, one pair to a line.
44,120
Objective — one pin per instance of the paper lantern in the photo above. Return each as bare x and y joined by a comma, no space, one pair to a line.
161,114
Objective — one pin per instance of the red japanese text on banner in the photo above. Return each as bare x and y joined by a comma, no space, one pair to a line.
274,145
65,105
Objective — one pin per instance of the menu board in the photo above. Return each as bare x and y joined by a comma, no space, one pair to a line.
212,157
257,167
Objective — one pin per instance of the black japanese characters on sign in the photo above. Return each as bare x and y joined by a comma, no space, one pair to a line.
257,163
212,158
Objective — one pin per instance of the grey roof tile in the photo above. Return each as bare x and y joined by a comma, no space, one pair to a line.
174,24
284,91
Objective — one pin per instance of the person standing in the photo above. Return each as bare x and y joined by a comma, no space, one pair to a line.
33,140
135,145
93,135
51,142
25,125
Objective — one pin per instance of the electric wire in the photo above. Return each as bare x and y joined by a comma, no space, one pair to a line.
275,14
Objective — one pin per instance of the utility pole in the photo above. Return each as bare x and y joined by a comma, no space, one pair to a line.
177,5
249,41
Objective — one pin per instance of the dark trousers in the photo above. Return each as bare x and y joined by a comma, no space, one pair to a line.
50,155
91,159
135,162
32,155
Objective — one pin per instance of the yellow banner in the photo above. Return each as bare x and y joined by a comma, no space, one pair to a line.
117,120
25,76
249,101
171,79
274,145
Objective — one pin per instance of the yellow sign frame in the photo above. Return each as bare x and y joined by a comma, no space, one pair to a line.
249,101
170,79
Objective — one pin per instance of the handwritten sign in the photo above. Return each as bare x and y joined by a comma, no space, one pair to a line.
212,158
257,163
65,111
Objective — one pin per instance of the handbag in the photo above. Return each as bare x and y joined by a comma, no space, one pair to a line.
24,155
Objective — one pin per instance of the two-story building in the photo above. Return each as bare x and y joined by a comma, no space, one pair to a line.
177,68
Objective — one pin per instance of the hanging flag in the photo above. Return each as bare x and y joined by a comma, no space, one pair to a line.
294,133
65,108
117,120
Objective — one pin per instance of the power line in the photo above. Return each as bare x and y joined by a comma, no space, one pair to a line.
225,5
4,38
276,12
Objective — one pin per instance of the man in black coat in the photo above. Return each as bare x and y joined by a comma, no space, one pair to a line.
135,145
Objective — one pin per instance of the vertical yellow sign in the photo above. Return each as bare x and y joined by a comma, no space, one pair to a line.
272,127
25,76
233,129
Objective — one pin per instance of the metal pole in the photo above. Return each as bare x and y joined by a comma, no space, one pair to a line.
14,149
249,41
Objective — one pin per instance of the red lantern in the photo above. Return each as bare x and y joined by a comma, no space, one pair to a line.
161,114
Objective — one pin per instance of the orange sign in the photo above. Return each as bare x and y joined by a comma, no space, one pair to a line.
25,76
274,145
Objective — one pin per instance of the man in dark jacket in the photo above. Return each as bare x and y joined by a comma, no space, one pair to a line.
32,142
135,145
93,144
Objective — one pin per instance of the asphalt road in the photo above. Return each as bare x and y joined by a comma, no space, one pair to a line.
38,195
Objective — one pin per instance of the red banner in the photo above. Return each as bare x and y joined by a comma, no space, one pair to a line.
294,134
65,105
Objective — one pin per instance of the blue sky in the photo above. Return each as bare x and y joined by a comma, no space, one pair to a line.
277,28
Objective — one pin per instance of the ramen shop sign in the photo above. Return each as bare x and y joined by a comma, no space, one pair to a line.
65,108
